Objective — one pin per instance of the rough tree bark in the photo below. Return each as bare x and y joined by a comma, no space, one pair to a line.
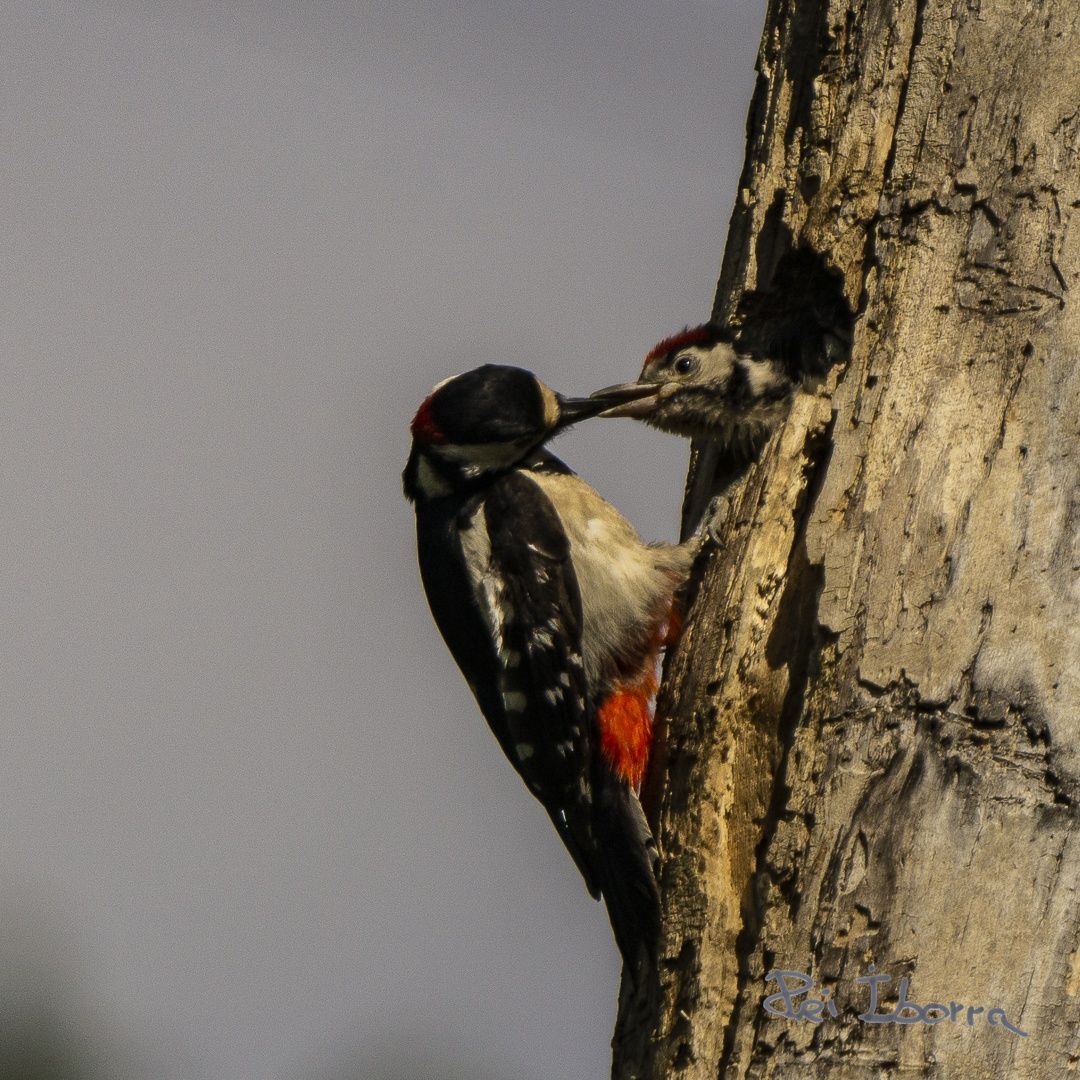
870,732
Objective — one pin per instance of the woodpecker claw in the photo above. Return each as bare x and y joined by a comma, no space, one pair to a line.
715,513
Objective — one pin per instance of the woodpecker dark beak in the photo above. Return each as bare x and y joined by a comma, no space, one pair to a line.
571,410
628,399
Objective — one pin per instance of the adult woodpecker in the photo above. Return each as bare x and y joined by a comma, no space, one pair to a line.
555,611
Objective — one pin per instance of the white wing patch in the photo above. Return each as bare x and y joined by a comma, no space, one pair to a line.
486,586
494,605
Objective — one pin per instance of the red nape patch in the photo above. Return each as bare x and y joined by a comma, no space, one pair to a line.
626,722
424,427
692,335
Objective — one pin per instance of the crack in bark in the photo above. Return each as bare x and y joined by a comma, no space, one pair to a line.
802,586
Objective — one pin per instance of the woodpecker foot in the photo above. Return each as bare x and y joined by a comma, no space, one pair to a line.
716,514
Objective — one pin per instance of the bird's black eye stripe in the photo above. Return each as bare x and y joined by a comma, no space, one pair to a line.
685,364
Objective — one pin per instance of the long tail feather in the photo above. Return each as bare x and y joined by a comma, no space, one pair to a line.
626,869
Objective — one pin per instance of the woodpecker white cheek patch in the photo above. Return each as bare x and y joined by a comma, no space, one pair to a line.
551,406
430,483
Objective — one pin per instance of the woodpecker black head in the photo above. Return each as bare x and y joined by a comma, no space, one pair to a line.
487,421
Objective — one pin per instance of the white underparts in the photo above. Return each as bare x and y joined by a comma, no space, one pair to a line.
625,584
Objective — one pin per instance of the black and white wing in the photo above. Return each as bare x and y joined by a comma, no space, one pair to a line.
531,597
550,715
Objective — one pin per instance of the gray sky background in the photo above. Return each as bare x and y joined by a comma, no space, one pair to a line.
252,826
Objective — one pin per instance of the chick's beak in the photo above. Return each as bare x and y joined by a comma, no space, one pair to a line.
628,399
571,410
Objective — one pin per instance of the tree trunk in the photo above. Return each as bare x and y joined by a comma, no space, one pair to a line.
869,737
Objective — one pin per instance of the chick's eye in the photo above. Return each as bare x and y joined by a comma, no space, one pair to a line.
684,364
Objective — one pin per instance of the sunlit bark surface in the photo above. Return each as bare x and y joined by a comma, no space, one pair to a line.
870,752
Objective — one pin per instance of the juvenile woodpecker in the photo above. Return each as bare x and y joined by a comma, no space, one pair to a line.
555,611
733,384
707,389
